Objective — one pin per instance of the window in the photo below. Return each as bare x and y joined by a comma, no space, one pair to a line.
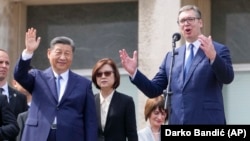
230,26
230,19
99,30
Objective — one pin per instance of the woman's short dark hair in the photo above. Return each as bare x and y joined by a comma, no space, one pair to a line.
99,65
152,104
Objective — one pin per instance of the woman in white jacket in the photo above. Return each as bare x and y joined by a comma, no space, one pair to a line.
156,115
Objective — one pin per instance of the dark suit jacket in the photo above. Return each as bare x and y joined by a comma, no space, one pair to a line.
18,101
121,119
21,118
76,114
8,124
198,99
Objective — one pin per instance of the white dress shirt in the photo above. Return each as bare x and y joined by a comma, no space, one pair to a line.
6,91
104,108
195,49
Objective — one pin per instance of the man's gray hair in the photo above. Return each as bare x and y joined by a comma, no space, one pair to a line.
191,7
62,40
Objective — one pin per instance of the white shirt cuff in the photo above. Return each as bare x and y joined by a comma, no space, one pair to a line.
26,56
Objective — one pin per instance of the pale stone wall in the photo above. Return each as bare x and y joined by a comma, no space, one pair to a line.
12,29
157,23
4,24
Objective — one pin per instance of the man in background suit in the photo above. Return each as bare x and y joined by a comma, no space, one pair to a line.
8,124
16,100
20,89
59,111
197,96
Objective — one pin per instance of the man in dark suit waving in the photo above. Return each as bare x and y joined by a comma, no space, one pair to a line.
63,105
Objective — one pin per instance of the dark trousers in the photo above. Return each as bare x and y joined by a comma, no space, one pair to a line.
52,135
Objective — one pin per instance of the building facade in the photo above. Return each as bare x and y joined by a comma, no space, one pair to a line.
101,27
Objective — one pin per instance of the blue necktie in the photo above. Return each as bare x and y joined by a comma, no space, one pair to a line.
58,85
189,60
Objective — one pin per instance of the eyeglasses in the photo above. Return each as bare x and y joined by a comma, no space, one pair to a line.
106,73
188,20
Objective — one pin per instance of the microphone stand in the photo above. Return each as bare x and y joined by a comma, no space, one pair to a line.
167,92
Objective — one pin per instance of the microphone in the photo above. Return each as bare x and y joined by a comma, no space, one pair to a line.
168,92
176,37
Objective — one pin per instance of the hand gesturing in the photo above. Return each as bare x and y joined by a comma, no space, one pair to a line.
128,63
31,41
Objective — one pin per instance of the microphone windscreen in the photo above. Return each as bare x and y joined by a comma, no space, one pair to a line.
176,36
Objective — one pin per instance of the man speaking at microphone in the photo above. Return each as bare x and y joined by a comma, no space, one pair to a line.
200,69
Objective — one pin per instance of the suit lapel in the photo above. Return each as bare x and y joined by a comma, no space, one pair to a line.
198,58
11,93
111,110
98,111
12,97
49,80
180,60
69,88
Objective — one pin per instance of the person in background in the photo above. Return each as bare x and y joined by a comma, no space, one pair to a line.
22,117
116,111
15,99
8,124
20,89
23,91
196,86
63,105
155,113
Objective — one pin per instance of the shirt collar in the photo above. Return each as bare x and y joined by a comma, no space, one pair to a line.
195,43
64,75
196,46
108,98
5,87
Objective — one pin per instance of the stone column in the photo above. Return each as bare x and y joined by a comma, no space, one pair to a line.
157,23
4,24
12,26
